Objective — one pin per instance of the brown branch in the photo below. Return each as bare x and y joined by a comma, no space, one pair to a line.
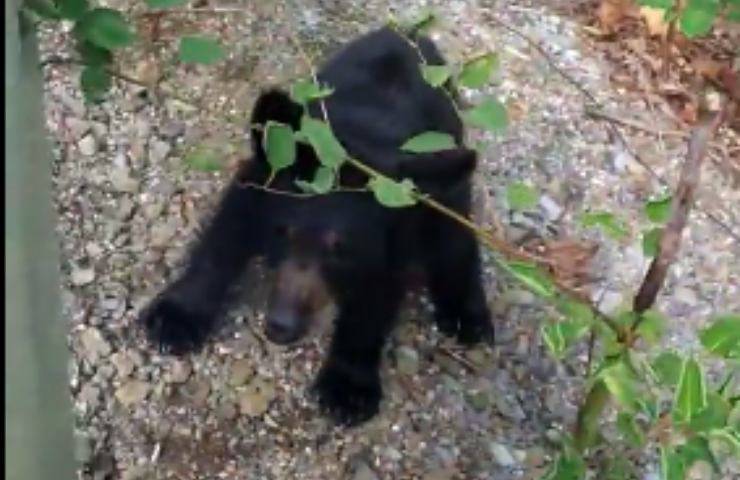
683,200
602,115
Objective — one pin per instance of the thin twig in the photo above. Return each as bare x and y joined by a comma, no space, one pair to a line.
470,366
602,115
683,200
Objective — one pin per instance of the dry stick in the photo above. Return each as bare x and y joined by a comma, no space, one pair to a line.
683,200
612,126
602,115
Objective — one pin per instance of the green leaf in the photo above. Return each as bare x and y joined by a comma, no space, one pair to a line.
165,3
43,8
531,276
204,159
697,17
429,142
390,193
608,222
425,19
490,115
733,11
105,28
622,384
94,55
566,467
304,91
729,436
722,338
279,145
659,211
696,449
671,465
691,393
562,335
713,416
589,416
95,83
323,181
521,196
667,367
663,4
331,153
202,50
651,242
436,75
476,72
73,9
652,327
575,311
629,429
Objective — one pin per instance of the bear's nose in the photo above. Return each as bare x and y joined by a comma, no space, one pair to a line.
282,328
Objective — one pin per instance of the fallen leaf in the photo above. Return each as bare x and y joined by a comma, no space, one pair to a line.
569,260
655,21
611,12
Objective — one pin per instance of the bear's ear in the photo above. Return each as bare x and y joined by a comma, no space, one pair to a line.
442,168
275,105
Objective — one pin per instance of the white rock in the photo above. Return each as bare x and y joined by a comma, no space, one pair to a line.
82,276
502,455
94,345
132,392
87,145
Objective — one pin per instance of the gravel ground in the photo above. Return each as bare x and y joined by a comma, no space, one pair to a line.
128,206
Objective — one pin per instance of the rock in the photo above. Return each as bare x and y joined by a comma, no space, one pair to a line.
179,372
479,399
550,208
407,360
241,372
122,182
158,151
172,129
701,470
132,392
82,276
161,234
77,127
123,363
255,400
441,474
93,250
90,396
518,296
197,391
83,448
501,454
364,472
87,145
94,346
509,407
227,411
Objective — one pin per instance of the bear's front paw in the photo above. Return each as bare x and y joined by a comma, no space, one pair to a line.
175,327
469,330
350,395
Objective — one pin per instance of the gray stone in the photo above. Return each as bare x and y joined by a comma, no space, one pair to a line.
407,360
82,276
132,392
241,372
94,346
179,372
501,454
87,145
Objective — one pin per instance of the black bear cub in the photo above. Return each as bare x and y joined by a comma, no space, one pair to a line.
342,252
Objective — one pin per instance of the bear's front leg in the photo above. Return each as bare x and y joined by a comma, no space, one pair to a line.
348,385
182,316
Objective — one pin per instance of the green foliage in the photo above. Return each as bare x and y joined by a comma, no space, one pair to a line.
105,28
318,133
659,211
621,382
392,194
202,50
521,196
95,82
45,9
691,392
279,145
652,326
436,75
305,91
73,9
630,430
489,115
651,241
323,181
166,3
722,338
667,367
697,17
607,222
429,142
204,159
477,72
531,276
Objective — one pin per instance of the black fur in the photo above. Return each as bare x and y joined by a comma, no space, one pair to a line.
380,101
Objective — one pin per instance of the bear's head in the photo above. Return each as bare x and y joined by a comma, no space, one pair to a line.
329,248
